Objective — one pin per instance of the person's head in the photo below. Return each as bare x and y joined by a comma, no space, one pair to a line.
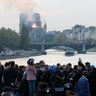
70,64
30,61
68,67
85,73
7,91
79,63
52,68
6,64
58,65
75,67
87,64
12,63
42,86
41,63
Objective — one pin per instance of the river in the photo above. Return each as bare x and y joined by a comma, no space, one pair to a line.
55,56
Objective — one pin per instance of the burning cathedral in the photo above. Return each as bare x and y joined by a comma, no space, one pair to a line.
35,28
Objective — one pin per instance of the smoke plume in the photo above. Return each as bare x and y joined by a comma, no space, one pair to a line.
20,5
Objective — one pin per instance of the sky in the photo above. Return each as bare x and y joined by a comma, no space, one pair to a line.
58,14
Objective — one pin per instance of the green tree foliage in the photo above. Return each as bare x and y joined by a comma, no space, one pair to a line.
49,38
9,39
24,42
61,38
90,41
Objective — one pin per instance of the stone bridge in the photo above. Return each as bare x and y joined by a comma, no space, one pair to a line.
44,46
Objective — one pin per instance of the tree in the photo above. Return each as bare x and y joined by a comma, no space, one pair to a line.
90,41
61,38
9,39
49,38
24,38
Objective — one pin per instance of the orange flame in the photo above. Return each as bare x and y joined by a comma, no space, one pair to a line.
34,26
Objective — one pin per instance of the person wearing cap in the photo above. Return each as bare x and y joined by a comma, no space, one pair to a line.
31,73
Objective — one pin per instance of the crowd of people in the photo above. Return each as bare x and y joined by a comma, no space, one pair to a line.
40,79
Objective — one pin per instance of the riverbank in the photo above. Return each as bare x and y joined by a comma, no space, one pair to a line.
4,57
55,56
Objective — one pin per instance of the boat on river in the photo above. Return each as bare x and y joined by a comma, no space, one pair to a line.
69,53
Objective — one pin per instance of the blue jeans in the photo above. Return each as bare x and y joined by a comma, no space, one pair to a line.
32,88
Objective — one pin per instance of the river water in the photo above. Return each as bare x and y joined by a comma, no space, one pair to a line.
55,56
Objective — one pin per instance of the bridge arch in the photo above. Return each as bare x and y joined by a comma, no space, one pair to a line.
44,46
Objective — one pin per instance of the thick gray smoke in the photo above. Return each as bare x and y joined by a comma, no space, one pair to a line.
20,5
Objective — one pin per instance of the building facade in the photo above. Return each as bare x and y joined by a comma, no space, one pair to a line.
23,21
35,29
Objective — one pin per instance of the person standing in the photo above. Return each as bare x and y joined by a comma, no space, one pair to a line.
31,76
82,87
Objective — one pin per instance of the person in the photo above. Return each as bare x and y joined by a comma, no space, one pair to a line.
0,63
58,82
82,87
7,91
31,76
70,93
41,63
22,89
92,82
1,77
43,89
10,74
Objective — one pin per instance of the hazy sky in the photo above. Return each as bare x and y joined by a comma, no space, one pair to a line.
58,14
